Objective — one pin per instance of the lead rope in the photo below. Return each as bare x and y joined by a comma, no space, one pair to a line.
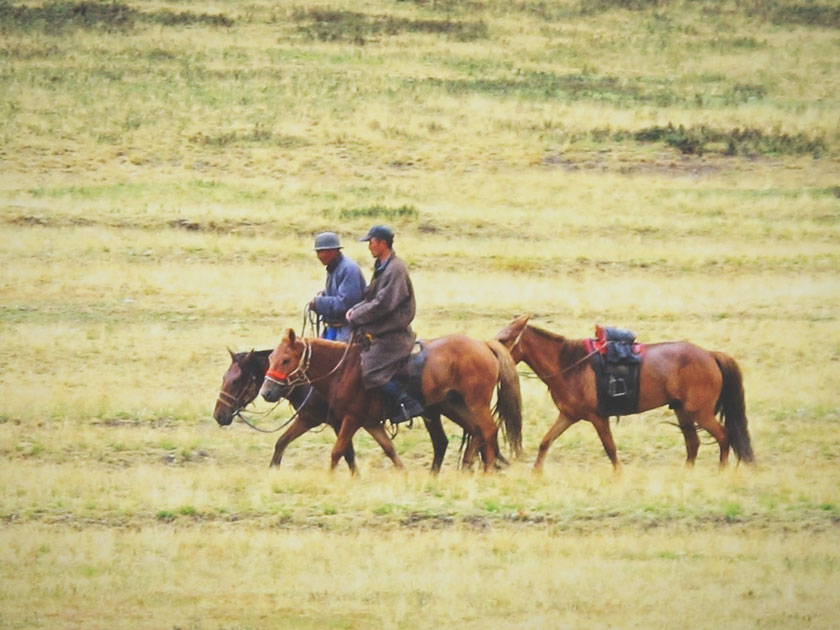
561,372
249,421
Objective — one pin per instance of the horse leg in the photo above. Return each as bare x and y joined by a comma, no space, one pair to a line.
349,426
562,423
439,440
349,454
706,420
474,442
488,433
602,426
298,428
378,433
459,415
689,431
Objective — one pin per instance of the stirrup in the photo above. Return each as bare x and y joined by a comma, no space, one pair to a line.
406,409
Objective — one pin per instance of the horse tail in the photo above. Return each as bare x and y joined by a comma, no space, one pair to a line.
508,397
731,407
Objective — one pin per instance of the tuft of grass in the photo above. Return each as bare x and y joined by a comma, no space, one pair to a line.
167,516
732,512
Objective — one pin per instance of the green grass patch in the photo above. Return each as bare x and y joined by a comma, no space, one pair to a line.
258,135
747,141
583,86
330,25
376,212
591,7
808,13
59,17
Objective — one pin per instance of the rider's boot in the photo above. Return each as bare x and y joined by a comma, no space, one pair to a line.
403,407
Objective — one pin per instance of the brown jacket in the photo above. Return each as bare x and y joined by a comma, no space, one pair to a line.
384,318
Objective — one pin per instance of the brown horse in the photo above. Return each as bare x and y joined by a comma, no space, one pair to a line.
241,385
696,383
458,381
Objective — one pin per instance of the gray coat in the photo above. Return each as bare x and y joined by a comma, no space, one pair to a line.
384,318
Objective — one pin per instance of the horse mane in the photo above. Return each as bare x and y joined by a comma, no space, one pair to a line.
257,353
326,343
569,350
547,334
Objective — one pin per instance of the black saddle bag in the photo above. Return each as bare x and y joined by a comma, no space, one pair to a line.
617,373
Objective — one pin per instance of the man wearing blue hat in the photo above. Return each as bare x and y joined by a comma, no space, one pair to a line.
345,287
384,320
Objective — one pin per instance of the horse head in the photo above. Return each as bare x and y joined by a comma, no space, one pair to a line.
240,386
511,334
285,367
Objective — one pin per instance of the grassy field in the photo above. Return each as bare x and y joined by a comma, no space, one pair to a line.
666,166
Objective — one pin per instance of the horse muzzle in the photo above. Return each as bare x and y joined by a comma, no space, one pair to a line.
270,391
223,418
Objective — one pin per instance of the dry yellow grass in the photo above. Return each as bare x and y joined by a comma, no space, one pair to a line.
160,185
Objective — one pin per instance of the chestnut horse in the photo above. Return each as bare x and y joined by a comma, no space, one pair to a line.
241,385
458,380
696,383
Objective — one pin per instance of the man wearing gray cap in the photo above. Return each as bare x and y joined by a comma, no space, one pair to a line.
384,321
345,287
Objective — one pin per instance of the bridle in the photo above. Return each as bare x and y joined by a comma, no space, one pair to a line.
300,374
296,376
236,403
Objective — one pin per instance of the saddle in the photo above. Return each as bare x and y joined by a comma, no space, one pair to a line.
410,373
617,362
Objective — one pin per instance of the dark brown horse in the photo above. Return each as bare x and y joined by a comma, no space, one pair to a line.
241,385
696,383
458,381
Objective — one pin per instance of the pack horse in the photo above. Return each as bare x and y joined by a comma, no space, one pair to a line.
697,384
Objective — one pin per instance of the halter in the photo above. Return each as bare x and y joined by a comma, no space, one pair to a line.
234,403
296,376
300,373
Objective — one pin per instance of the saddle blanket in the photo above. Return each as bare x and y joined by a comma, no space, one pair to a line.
617,362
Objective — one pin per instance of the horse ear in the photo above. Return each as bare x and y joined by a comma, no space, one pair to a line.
290,335
510,334
248,356
231,353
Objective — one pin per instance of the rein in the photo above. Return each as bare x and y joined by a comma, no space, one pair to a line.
249,422
314,320
234,403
